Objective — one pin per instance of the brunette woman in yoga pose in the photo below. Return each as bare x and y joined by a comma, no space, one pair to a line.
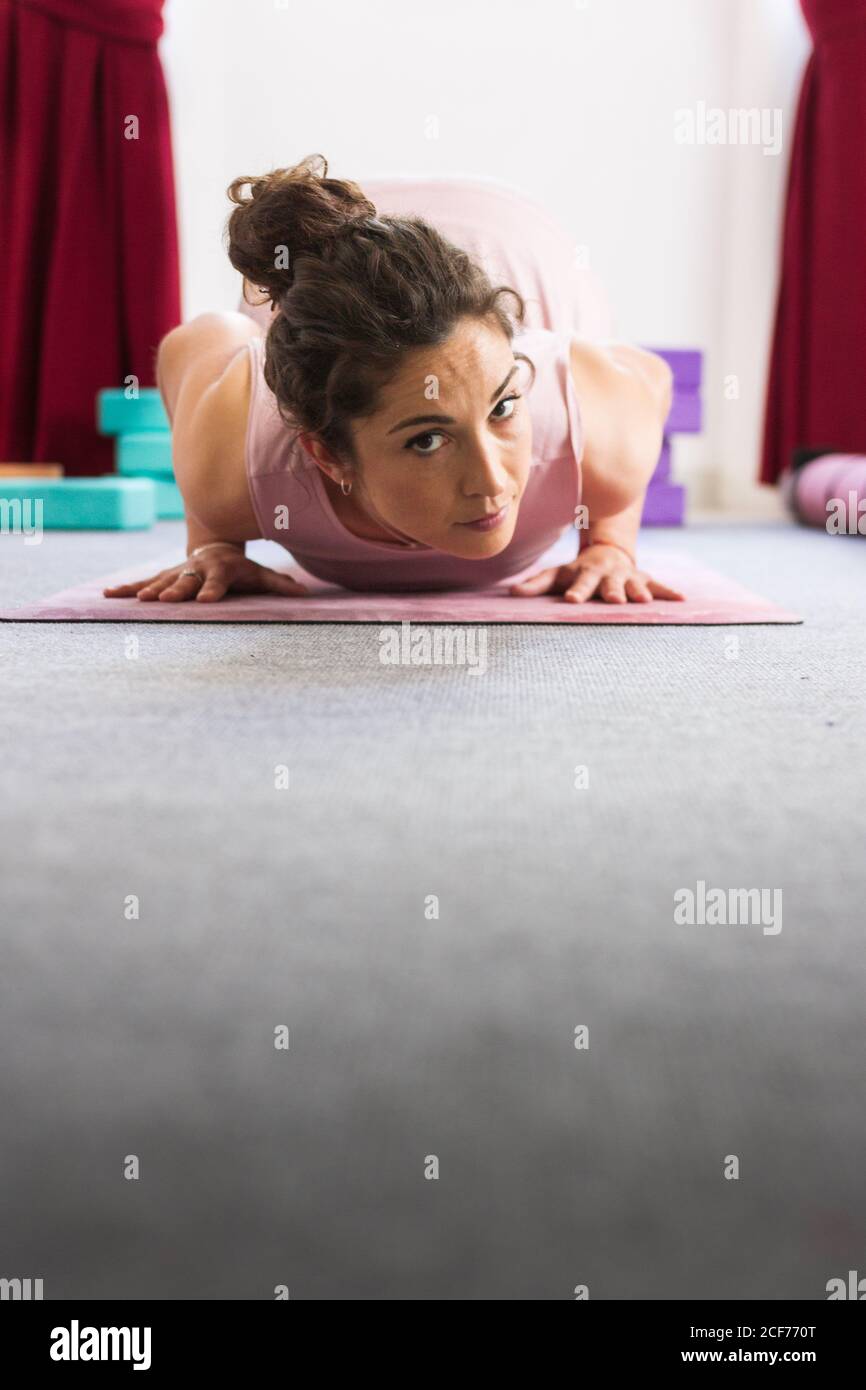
390,418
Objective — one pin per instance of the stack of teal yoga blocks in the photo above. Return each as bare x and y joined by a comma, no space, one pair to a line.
77,504
142,443
141,492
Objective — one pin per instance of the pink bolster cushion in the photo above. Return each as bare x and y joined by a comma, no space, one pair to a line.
839,478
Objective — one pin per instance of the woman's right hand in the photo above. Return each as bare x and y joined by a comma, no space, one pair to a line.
220,570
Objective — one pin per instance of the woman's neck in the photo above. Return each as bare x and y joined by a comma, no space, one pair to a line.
356,519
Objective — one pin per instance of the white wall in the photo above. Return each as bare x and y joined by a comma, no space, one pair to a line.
572,100
768,54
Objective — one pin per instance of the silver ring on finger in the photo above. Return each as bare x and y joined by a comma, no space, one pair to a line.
191,574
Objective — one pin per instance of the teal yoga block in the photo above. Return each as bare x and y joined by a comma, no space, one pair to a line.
78,504
116,414
169,500
146,454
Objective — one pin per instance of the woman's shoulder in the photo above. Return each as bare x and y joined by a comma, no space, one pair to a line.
225,404
625,394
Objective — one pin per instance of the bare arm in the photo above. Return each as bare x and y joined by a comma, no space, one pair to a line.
625,397
203,376
625,394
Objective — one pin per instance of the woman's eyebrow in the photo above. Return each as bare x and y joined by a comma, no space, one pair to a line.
500,389
447,419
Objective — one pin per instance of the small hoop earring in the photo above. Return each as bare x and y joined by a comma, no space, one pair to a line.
345,487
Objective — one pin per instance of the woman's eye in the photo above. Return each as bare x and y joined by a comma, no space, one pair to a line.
423,440
510,401
426,443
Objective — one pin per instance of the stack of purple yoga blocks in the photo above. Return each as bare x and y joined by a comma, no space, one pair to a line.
666,501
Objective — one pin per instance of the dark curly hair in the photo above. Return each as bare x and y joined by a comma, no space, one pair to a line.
353,291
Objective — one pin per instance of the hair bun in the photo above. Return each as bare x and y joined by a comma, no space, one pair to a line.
288,213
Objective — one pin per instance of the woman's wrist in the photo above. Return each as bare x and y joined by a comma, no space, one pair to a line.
604,540
237,546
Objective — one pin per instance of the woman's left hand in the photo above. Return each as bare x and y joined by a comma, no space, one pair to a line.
599,569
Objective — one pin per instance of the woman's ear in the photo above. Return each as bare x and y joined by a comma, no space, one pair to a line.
322,455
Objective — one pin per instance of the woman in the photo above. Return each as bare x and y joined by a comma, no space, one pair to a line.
387,426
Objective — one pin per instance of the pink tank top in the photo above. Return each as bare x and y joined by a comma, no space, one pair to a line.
293,507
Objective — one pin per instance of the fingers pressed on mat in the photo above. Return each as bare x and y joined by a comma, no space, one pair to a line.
583,587
211,590
662,591
636,589
613,590
154,589
546,581
275,583
125,590
175,587
179,589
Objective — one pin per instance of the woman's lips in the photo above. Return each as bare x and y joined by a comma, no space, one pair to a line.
487,523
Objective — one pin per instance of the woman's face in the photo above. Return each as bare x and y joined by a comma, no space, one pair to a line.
450,443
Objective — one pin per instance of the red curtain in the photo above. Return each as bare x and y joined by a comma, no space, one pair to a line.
89,278
816,393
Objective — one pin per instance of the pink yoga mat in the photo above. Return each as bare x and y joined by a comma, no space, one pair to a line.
711,599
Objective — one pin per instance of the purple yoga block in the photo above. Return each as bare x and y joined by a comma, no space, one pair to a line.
686,365
664,505
663,467
685,416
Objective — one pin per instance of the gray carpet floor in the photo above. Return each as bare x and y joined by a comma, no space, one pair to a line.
414,1037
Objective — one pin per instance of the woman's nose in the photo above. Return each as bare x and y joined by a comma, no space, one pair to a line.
486,474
